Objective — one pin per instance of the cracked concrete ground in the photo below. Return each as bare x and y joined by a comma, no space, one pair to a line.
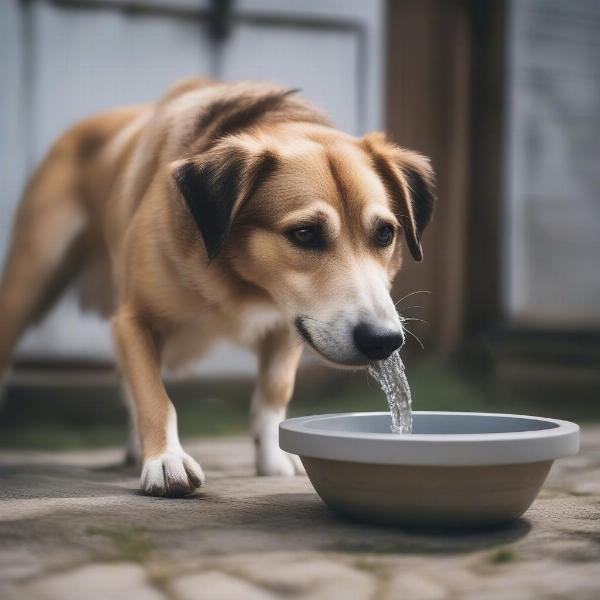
73,525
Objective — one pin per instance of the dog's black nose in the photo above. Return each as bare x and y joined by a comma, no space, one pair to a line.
375,342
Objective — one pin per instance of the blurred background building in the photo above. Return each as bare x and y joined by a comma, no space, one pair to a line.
503,95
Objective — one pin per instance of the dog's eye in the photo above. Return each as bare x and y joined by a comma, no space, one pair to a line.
384,235
306,236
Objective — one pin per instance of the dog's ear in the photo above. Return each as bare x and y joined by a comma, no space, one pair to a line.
217,183
409,180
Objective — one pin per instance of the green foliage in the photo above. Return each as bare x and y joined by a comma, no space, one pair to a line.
71,418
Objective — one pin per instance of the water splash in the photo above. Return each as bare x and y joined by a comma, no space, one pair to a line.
390,375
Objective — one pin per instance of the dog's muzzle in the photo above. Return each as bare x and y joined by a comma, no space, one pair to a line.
352,345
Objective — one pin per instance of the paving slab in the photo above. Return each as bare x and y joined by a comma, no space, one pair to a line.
76,521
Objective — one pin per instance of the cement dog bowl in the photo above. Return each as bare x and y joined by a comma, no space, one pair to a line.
454,470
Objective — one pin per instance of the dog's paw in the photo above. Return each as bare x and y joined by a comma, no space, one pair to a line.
172,474
278,463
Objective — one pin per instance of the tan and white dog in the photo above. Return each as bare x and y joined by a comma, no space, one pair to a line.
222,210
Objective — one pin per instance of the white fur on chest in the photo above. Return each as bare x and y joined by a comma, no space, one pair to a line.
256,321
196,336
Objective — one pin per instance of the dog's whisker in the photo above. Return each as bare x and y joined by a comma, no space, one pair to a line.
403,319
416,337
407,307
412,294
404,309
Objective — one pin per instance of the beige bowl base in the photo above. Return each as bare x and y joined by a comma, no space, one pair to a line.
427,496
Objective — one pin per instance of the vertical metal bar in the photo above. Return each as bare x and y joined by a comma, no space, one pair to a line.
219,25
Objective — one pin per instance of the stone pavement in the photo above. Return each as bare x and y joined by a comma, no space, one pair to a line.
72,525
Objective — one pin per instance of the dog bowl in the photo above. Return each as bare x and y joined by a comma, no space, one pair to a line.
455,469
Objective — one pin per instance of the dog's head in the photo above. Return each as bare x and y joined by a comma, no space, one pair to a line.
315,218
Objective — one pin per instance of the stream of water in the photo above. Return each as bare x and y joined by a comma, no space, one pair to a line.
390,375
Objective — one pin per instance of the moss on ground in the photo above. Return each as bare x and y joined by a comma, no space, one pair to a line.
503,556
129,542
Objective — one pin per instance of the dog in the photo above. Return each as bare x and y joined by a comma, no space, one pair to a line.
223,210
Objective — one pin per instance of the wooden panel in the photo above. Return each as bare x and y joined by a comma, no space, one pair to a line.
486,166
427,110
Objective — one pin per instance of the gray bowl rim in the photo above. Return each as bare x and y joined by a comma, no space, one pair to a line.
464,449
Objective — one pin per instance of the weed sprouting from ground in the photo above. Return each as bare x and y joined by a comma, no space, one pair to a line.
130,542
503,556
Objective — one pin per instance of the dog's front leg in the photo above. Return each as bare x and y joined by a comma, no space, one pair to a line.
167,470
279,353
